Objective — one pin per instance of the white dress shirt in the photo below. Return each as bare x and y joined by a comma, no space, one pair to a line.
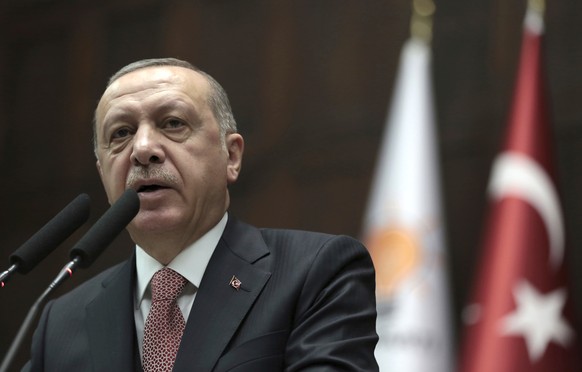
190,263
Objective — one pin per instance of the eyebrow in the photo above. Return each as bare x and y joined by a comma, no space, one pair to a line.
116,115
170,104
125,113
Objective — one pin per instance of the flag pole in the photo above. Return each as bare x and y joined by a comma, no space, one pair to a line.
421,20
538,6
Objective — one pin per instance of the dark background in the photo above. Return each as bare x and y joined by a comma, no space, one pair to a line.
309,81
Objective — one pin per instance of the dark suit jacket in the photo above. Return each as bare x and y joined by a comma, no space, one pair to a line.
306,302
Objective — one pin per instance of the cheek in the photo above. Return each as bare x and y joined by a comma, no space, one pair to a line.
113,176
205,171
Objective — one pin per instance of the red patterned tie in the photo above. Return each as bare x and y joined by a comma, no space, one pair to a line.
165,323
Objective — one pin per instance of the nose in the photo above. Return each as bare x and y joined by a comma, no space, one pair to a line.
147,148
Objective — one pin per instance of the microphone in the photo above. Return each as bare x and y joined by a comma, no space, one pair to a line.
50,236
90,246
83,254
99,236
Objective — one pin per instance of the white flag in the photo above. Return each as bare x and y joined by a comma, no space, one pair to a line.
404,228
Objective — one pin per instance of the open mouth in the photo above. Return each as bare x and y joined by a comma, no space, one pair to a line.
150,188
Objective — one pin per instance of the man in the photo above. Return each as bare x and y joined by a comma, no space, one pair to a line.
254,299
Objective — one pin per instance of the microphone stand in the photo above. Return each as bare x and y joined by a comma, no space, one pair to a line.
65,273
82,254
5,275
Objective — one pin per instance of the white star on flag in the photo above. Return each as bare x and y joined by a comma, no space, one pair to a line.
538,318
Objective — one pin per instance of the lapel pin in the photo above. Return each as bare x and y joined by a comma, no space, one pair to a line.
235,283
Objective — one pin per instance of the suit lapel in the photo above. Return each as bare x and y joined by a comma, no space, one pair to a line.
219,308
110,322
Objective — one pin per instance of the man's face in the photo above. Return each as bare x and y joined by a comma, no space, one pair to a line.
157,134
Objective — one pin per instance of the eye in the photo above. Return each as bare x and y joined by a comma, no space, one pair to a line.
176,129
121,133
174,123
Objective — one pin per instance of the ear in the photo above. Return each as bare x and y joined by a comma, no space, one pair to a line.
235,146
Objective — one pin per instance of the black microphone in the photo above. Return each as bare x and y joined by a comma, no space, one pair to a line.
90,246
49,237
99,236
87,249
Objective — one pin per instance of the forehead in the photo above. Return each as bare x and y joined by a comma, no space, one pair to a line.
148,81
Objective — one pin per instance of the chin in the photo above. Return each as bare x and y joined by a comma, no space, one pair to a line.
153,223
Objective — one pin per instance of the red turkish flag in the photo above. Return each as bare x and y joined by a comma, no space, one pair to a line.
521,317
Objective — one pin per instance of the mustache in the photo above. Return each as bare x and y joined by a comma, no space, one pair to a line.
158,174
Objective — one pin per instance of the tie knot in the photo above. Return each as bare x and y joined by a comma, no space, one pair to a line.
167,285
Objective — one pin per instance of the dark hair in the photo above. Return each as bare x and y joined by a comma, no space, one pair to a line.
217,98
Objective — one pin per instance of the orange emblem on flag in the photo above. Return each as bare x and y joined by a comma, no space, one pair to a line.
395,253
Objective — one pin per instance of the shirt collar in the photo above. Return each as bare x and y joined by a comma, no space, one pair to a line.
190,263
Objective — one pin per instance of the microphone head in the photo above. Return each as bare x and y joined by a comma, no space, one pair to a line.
102,233
51,235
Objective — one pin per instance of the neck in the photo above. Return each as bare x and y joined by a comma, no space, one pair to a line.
165,246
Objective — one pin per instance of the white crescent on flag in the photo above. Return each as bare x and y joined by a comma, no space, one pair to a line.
520,176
